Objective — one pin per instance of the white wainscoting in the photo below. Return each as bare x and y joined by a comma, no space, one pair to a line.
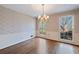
55,36
7,40
49,35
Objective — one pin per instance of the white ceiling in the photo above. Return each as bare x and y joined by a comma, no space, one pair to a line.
36,9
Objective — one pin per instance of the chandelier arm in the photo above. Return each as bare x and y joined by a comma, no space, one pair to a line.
43,16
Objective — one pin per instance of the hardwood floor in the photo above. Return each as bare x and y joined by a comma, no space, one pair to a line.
41,46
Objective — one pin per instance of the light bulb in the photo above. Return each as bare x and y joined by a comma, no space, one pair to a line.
47,17
39,17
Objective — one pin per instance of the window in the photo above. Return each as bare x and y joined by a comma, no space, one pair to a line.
42,25
66,27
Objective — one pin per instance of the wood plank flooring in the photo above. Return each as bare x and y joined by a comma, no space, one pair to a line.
41,46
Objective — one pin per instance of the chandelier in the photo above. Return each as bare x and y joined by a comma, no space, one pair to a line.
43,16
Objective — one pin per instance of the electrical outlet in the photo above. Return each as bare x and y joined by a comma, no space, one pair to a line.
31,36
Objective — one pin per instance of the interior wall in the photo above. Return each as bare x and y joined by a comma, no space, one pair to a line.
52,27
15,27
